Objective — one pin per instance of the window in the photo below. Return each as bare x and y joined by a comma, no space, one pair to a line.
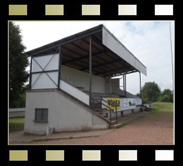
41,114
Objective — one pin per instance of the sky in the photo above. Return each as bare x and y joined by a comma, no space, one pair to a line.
149,41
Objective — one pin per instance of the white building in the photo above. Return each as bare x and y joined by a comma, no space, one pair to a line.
71,86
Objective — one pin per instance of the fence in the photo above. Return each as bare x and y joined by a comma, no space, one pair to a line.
16,112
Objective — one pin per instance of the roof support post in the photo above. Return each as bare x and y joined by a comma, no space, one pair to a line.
140,84
124,84
90,73
30,76
59,66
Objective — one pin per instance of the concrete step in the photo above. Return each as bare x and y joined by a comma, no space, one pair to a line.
113,122
114,126
105,116
97,110
96,105
100,113
101,109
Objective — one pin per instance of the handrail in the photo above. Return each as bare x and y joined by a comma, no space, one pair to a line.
110,108
115,107
104,105
100,102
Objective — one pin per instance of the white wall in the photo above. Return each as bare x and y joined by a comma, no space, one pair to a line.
42,80
73,76
115,85
79,78
108,87
43,60
80,95
64,113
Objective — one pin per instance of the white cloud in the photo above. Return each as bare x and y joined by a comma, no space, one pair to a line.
149,41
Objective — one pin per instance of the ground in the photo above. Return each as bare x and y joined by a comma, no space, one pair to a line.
146,128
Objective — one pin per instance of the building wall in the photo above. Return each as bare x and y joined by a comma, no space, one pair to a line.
64,113
115,85
108,87
42,80
79,78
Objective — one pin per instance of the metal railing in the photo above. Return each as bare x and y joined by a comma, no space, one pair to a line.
107,106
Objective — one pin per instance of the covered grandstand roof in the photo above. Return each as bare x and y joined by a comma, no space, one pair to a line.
109,56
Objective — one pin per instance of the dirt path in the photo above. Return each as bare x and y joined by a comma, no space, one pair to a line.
155,128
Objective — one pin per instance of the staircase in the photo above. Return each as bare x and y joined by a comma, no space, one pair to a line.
97,107
83,97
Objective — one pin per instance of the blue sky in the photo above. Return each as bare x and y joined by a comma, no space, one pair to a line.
149,41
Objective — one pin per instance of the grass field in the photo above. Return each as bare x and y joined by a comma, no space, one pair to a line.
157,108
162,107
16,124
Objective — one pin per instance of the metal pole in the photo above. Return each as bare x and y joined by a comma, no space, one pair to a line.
30,77
59,66
140,84
90,72
116,112
125,84
110,114
171,54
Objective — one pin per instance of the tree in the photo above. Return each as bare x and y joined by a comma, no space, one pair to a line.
22,98
150,91
138,94
167,92
166,96
18,61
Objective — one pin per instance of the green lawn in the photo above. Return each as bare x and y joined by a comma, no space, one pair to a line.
163,107
16,124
